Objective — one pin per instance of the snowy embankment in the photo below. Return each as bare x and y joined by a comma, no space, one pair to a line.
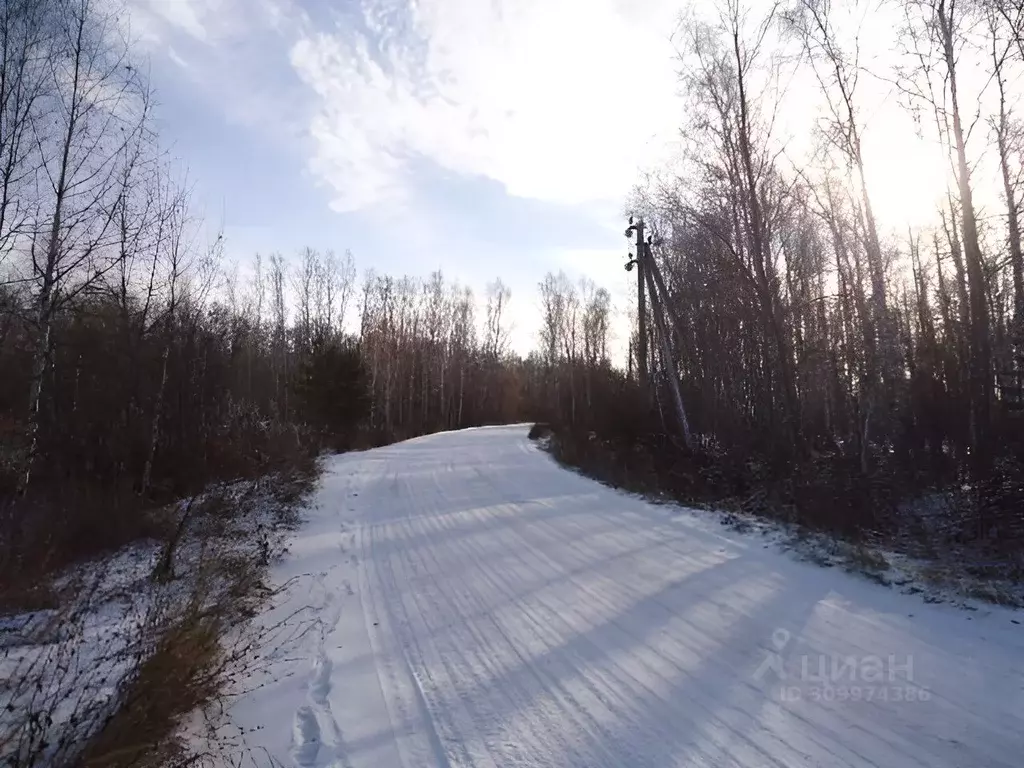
460,600
70,672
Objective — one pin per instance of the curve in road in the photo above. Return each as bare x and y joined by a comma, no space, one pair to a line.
460,600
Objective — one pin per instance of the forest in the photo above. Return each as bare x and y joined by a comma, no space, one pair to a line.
822,356
860,378
837,373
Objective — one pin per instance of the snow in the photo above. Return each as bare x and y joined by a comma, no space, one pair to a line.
460,600
63,670
60,669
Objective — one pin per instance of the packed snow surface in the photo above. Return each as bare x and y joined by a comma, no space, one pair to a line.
461,600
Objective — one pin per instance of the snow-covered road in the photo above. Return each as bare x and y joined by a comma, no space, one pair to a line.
470,603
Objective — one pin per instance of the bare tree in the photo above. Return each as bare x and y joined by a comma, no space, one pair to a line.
838,70
938,30
304,281
1004,29
497,331
278,324
24,29
95,109
744,193
176,252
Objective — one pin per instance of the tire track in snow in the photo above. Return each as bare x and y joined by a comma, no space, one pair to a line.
904,748
440,730
612,586
395,688
514,615
578,633
700,654
549,676
487,532
479,654
557,614
617,682
410,717
819,716
986,728
490,654
433,666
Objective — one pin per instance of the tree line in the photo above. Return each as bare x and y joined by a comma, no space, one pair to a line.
843,366
138,366
829,365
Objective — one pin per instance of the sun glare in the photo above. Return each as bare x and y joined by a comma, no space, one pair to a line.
907,179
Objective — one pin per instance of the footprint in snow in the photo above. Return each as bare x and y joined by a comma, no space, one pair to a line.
305,738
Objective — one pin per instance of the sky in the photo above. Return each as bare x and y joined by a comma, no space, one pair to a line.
485,138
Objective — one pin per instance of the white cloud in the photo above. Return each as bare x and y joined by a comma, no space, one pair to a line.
235,53
557,99
174,56
205,21
191,16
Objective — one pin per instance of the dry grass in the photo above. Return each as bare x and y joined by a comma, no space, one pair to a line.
206,581
183,672
865,559
189,664
25,597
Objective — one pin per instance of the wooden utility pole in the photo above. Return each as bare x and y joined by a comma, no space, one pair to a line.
667,362
659,282
647,272
641,300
